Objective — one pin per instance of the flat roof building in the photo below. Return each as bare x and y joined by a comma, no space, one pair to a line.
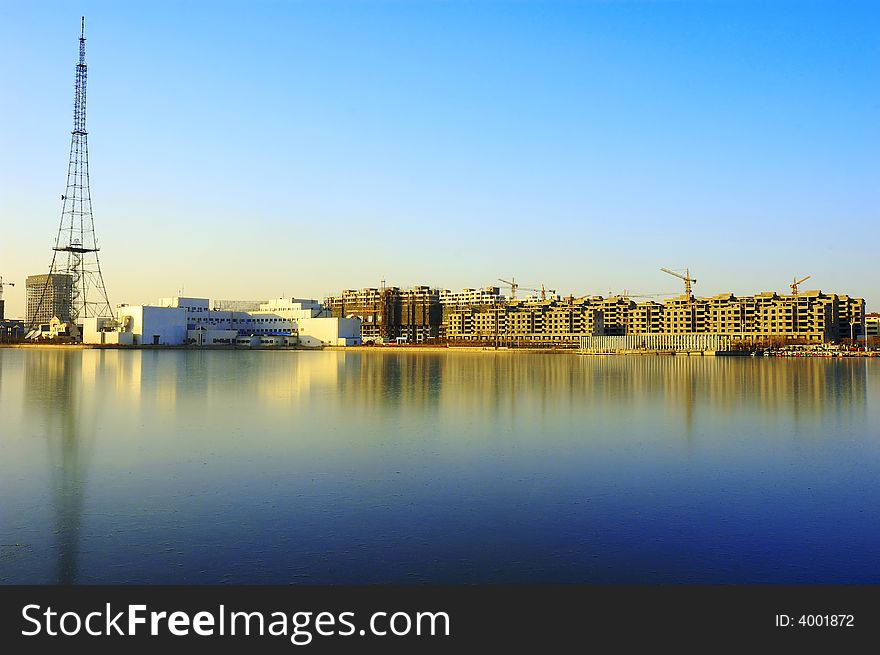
47,296
179,320
807,317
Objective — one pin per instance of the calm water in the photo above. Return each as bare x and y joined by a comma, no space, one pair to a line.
280,467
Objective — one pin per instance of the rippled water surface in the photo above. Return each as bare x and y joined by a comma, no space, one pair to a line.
350,467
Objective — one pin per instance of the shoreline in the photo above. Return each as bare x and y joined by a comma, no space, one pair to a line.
385,349
449,349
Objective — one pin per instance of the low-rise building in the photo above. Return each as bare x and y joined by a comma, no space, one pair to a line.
109,331
274,317
237,305
329,331
153,326
11,330
179,320
202,336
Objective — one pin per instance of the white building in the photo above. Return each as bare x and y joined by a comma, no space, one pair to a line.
237,305
275,317
316,332
294,308
182,320
106,331
205,337
152,326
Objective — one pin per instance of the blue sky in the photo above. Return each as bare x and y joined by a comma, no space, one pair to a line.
259,149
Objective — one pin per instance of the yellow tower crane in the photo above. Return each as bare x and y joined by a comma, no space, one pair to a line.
795,282
626,294
552,292
513,287
543,291
688,281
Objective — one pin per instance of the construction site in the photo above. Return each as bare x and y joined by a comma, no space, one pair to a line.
485,316
391,314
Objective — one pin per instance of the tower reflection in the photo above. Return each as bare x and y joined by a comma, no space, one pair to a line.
53,379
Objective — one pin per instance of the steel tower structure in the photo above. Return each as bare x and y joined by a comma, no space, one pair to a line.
75,253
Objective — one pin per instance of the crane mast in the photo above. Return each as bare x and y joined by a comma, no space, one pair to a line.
513,287
795,282
688,281
4,284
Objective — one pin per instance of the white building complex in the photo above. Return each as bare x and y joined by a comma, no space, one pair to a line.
178,321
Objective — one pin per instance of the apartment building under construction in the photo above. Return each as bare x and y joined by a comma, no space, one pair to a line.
374,306
525,322
389,314
872,328
809,317
423,314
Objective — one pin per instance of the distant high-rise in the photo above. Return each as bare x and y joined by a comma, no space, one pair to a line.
48,296
75,264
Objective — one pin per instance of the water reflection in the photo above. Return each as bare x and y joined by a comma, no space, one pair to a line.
463,383
524,385
198,466
55,382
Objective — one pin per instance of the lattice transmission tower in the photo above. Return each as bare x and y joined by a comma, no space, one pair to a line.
75,255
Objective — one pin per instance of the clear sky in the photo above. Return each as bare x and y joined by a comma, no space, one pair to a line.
260,149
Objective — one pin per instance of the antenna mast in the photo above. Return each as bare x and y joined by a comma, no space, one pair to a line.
75,254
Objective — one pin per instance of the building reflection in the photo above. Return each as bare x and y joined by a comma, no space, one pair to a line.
515,386
172,380
525,386
431,384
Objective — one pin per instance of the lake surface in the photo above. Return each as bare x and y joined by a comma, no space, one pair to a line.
370,467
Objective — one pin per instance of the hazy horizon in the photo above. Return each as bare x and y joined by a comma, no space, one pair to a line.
258,150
